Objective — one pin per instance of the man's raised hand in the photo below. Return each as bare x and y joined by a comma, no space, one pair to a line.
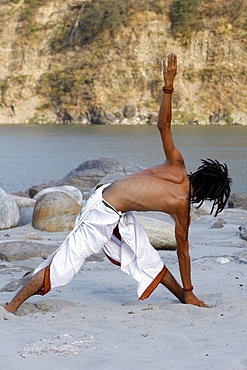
169,69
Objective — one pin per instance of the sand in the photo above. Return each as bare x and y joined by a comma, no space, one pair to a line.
97,322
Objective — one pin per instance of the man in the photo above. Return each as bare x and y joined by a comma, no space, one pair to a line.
107,221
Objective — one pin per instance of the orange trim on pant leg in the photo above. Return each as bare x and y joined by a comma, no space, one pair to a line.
112,260
47,283
154,284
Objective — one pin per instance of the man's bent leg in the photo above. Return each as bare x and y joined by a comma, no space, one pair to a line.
33,285
171,284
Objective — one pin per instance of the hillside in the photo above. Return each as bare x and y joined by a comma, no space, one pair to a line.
99,61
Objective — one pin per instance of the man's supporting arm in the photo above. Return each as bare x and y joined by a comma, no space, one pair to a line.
181,234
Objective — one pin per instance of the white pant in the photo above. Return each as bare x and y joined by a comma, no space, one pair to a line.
93,232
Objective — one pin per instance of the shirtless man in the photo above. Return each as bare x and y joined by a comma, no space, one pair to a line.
105,221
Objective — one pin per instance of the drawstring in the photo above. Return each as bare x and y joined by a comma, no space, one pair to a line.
109,206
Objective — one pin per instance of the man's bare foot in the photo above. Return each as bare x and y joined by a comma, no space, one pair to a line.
10,309
6,315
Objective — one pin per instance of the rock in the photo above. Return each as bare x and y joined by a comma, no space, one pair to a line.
205,209
243,231
109,118
222,260
23,202
82,119
55,211
152,119
238,200
9,211
96,115
36,188
214,118
102,164
129,111
161,234
18,250
84,180
118,116
218,224
26,206
67,118
72,191
21,194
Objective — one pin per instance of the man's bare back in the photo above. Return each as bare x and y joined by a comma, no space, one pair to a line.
161,188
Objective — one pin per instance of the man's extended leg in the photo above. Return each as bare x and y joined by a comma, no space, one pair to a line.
171,284
33,285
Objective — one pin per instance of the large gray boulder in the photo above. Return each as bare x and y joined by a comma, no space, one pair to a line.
161,234
18,250
9,211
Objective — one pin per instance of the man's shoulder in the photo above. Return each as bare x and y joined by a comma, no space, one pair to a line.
170,172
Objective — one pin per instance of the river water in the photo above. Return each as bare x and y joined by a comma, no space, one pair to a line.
34,154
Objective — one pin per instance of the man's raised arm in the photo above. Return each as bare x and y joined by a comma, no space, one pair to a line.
165,113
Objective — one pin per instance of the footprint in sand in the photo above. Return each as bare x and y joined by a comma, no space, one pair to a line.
49,305
212,300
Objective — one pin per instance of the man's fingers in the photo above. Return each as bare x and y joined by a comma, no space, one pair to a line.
169,67
202,304
174,59
171,59
164,68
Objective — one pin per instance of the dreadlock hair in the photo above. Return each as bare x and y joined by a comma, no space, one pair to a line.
211,182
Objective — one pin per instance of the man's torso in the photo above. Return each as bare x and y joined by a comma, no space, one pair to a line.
163,188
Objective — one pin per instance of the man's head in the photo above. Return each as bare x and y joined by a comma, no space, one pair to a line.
211,182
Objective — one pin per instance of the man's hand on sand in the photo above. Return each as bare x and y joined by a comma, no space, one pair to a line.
190,298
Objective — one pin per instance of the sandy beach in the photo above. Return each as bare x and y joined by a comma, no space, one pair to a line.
97,322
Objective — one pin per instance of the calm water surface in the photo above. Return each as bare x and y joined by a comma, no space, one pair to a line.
34,154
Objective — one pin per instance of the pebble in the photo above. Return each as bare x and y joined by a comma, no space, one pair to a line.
222,260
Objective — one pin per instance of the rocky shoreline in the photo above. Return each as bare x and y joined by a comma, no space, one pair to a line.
130,115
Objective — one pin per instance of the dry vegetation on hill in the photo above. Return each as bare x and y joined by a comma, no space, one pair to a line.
82,56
